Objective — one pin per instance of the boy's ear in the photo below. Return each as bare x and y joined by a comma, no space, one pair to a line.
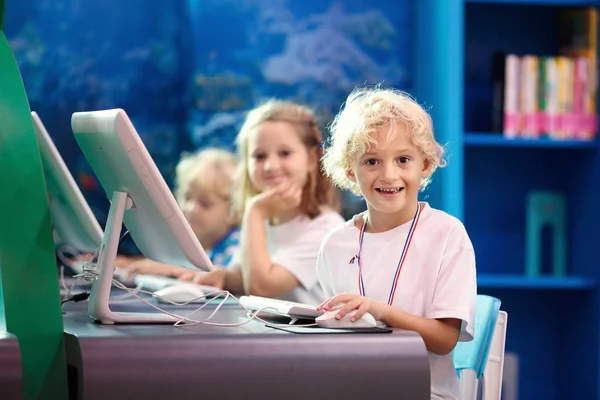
426,169
350,174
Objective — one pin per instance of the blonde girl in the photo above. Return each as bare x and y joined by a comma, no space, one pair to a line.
285,203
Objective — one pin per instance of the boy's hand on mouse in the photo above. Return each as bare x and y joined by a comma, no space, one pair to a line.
347,302
274,201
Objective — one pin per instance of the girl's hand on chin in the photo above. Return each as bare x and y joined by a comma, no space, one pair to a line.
274,201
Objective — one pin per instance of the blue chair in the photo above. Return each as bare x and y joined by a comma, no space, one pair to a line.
482,358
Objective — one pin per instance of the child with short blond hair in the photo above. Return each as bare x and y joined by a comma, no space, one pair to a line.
203,190
203,186
407,264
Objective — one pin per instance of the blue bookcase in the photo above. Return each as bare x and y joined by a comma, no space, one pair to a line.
553,322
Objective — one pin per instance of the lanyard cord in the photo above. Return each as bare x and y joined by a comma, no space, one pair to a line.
361,283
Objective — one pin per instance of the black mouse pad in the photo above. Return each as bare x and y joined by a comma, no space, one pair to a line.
317,330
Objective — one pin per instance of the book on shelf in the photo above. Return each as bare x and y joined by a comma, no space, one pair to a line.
578,37
550,96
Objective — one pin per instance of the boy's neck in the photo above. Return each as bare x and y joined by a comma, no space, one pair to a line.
380,222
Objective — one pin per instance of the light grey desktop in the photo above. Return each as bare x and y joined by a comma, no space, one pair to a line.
251,362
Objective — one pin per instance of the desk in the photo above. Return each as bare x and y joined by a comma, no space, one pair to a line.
10,367
251,361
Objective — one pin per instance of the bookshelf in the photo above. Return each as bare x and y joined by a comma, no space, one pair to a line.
487,140
554,321
500,281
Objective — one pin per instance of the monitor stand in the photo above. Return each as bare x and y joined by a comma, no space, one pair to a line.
98,303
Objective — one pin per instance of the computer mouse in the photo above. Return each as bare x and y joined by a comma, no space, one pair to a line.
328,320
180,293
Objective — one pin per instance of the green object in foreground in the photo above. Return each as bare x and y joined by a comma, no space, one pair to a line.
29,291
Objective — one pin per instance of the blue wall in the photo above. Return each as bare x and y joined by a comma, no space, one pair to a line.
85,55
312,51
186,72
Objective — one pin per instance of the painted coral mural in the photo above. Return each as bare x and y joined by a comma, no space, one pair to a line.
187,71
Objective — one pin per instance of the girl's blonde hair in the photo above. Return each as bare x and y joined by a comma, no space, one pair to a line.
212,170
367,110
318,190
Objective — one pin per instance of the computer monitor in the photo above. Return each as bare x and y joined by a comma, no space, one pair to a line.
73,221
140,199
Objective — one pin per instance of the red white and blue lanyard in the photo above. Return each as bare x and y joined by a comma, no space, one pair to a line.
411,231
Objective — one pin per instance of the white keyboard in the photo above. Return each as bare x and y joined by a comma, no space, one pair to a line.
152,283
281,307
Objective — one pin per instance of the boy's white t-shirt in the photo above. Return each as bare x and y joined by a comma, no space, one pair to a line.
294,245
437,279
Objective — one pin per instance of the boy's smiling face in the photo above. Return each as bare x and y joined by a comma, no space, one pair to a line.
389,175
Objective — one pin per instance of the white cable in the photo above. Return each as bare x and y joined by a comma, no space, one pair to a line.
128,295
63,283
90,273
85,275
181,320
66,261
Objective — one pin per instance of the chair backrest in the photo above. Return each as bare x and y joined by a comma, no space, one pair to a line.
494,368
473,355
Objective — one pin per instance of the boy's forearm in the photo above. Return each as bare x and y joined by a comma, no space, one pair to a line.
440,336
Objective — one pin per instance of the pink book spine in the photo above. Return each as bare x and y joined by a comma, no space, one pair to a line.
512,115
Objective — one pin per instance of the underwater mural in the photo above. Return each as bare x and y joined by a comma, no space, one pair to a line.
187,71
313,51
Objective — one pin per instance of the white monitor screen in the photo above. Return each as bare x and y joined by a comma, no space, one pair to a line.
72,219
122,163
